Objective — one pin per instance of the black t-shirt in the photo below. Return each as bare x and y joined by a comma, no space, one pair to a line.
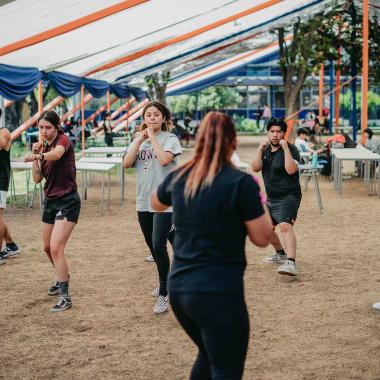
210,231
5,169
278,183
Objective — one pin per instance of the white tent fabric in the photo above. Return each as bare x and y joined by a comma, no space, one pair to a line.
81,50
220,68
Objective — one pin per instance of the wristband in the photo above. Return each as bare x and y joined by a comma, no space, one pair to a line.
42,156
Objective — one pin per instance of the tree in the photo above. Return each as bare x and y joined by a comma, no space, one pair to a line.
13,114
211,98
157,83
316,40
313,42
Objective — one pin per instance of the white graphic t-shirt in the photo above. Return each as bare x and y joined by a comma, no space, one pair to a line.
150,173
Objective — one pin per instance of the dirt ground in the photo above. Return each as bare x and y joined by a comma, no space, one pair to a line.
320,326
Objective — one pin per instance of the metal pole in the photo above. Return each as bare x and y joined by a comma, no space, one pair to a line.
321,80
82,109
364,119
354,73
331,73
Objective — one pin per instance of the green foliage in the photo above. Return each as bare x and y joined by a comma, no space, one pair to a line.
182,103
242,124
373,100
211,98
316,40
19,150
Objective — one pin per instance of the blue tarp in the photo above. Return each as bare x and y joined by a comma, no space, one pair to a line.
18,82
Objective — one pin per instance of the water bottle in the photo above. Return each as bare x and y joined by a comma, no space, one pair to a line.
314,160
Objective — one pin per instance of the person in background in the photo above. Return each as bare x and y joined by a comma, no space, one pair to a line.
267,114
215,206
278,160
154,153
11,249
371,142
55,161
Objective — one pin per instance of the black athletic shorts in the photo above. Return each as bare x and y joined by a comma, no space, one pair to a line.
58,209
284,209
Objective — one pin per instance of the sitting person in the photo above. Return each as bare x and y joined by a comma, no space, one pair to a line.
304,146
372,142
179,131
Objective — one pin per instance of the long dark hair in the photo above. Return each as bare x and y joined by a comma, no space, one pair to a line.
216,138
53,118
165,112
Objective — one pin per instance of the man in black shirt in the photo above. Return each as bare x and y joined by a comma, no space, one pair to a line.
278,161
11,249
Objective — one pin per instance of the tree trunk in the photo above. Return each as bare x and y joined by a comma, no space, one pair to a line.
157,86
13,115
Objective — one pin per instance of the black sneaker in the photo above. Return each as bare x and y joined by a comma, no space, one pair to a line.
54,289
63,303
8,252
2,260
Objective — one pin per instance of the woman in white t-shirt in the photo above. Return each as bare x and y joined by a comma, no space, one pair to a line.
154,153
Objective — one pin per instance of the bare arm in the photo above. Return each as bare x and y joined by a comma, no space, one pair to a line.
260,229
96,130
36,172
257,163
35,157
5,138
130,156
164,158
291,165
156,204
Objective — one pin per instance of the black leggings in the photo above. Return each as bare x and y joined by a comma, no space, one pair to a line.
218,324
157,230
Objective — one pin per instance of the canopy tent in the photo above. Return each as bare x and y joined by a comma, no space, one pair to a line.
129,39
212,74
17,82
126,40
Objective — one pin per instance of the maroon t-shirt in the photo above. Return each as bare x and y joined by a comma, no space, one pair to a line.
60,175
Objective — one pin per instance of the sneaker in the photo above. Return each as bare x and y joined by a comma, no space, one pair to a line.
63,303
276,258
161,305
2,260
376,306
156,292
149,258
8,252
54,289
289,268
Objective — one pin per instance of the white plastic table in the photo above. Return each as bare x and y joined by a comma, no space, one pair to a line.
354,154
27,167
95,167
117,150
118,161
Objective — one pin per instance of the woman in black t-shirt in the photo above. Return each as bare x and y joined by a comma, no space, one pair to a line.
55,161
215,206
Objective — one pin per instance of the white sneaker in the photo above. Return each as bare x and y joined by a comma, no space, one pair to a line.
289,268
156,292
376,306
275,258
161,305
149,258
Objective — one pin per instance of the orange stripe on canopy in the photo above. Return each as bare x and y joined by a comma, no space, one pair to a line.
75,24
214,68
183,37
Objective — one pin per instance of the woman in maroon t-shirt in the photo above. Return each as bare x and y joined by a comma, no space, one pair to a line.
55,161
